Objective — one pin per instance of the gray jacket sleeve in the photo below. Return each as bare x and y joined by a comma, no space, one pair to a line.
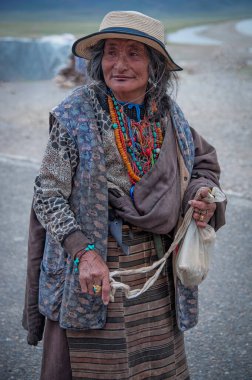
206,173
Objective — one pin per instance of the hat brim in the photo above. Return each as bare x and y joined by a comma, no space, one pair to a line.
81,47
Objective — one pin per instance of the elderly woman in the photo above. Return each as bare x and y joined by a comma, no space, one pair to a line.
119,169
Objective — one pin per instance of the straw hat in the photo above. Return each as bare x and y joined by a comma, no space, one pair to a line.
128,25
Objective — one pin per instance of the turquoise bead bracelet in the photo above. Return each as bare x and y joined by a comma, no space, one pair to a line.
90,247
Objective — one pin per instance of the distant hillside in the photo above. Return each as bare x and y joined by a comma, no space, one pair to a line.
93,9
33,18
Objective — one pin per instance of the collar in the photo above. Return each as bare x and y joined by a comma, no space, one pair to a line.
134,111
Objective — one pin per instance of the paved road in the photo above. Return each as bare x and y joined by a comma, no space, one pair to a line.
218,348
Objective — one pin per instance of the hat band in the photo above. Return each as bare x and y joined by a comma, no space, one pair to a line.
133,32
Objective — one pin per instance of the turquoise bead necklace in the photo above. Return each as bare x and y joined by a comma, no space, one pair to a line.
141,139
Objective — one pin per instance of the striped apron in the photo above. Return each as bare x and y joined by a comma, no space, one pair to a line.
140,339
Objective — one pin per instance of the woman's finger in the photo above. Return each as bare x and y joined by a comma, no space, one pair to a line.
203,211
90,288
83,285
204,192
201,224
200,205
85,277
197,216
202,217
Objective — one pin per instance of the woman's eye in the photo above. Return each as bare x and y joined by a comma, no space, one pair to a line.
111,53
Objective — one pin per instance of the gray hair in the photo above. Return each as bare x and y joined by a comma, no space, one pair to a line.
162,81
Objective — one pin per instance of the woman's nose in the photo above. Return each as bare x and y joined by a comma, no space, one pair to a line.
121,63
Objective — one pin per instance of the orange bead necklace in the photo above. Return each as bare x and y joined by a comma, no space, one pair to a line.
138,143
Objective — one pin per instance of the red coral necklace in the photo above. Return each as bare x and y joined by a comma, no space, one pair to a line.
138,142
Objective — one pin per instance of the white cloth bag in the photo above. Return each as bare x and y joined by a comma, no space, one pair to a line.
193,254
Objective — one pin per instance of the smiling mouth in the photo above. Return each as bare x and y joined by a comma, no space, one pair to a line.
122,78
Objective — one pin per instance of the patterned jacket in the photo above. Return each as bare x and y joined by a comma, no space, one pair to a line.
60,298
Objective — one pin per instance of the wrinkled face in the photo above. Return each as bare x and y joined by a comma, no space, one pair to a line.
125,69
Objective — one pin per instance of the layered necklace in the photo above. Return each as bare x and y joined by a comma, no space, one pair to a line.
138,142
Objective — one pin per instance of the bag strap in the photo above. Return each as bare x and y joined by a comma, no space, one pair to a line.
215,195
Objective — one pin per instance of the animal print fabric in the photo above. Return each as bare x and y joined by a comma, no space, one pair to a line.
54,182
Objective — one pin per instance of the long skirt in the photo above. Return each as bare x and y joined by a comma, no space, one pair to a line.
140,339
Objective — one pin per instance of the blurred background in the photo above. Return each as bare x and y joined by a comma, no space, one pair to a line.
212,41
36,36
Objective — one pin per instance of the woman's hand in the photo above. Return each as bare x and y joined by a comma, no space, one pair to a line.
94,271
203,211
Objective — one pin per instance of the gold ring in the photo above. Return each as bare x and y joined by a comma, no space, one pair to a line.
201,218
97,288
203,212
